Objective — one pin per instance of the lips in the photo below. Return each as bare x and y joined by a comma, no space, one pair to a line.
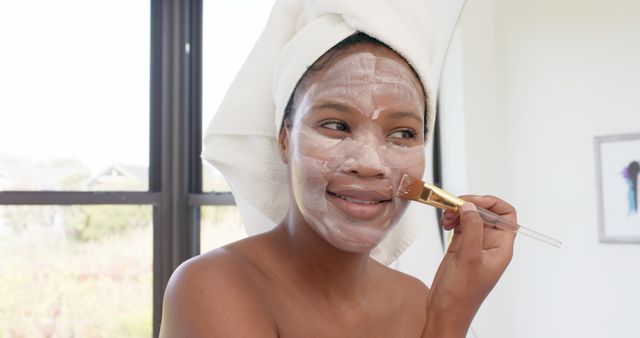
360,204
359,201
363,197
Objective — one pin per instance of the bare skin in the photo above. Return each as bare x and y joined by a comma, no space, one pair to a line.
265,287
291,282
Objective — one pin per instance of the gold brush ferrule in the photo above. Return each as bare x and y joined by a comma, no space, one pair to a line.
439,198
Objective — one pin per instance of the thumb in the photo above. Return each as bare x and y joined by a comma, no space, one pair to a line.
472,227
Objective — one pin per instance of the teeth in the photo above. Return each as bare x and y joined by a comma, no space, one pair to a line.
353,200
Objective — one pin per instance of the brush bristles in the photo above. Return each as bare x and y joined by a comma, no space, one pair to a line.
410,188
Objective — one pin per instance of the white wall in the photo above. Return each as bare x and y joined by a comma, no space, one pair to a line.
541,78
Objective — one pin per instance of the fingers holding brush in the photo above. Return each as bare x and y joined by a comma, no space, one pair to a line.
493,204
451,219
492,238
495,238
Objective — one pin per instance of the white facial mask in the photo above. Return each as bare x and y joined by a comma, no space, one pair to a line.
344,183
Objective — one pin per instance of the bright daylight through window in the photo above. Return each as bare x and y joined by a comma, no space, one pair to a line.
74,106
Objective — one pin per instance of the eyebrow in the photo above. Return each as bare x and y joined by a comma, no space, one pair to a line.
333,105
403,114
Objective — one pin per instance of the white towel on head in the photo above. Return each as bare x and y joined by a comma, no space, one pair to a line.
241,140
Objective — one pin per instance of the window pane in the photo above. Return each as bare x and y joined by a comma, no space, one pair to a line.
219,225
74,94
223,54
76,271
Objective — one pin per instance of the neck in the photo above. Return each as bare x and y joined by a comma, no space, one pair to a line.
338,275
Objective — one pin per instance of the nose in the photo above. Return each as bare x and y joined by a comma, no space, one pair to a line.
366,162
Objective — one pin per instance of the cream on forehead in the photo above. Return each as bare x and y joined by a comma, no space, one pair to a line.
369,81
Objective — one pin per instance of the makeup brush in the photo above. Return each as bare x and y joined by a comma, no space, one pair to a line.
414,189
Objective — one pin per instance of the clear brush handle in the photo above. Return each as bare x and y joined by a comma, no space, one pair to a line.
501,223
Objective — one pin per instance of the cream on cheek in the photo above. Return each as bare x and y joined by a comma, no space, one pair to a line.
351,211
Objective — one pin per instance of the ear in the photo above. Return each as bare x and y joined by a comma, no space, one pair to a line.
283,142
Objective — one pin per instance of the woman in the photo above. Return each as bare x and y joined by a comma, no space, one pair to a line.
354,123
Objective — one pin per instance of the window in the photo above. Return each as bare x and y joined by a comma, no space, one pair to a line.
76,220
101,183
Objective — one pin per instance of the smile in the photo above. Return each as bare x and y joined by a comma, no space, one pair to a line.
355,200
363,205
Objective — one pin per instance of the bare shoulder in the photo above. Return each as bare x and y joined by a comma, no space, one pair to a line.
408,293
215,295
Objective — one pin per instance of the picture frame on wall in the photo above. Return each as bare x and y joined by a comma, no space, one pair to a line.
618,174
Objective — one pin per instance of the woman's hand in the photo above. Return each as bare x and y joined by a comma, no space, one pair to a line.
475,260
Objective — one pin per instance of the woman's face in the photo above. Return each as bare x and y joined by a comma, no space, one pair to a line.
357,128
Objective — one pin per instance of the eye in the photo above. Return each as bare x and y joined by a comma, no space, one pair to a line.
403,134
335,125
